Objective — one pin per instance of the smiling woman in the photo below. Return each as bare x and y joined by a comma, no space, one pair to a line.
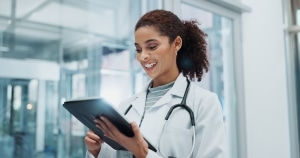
172,52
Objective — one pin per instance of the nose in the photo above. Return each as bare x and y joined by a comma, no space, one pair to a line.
143,56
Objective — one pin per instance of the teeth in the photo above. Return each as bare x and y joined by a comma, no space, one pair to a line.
149,65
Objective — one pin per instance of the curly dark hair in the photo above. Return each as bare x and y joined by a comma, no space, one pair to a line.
192,58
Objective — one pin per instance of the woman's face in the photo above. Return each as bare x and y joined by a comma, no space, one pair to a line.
156,55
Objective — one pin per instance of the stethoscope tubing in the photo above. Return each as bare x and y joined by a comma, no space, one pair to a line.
192,117
188,109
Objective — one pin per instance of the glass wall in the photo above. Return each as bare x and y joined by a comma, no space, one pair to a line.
88,45
52,51
220,48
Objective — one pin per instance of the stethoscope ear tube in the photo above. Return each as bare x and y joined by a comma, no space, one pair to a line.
188,109
183,105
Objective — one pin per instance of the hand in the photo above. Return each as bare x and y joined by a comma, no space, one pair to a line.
136,144
93,143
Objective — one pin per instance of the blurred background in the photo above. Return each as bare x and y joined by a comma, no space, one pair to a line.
55,50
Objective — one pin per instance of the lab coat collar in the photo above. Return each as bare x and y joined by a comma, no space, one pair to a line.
179,86
178,89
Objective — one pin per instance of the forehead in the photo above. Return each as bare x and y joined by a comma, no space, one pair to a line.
145,33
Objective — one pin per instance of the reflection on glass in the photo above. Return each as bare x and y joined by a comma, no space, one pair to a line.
52,133
117,59
91,41
78,85
110,87
295,12
297,74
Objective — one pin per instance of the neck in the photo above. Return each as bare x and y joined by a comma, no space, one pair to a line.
164,80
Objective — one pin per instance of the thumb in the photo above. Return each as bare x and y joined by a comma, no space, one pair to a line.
135,129
138,135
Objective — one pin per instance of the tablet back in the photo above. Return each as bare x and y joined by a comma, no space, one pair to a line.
86,110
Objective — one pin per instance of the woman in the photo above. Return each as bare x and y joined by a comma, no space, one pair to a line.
172,52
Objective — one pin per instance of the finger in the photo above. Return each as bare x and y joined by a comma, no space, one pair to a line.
92,135
100,124
108,123
88,140
105,129
135,129
97,121
111,128
96,139
138,134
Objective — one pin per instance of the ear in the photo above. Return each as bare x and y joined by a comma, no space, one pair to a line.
178,43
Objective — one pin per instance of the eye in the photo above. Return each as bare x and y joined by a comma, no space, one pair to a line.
152,47
138,50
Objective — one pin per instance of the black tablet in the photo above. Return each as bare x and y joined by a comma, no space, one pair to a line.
86,110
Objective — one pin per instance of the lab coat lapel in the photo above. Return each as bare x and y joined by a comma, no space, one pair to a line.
179,86
138,102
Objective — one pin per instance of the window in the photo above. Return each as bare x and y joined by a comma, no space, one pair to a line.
222,26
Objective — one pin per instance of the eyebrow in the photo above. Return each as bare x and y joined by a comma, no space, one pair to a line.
149,40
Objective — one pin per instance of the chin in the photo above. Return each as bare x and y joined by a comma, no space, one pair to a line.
152,76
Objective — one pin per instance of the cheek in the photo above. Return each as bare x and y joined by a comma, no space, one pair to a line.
163,52
137,56
166,54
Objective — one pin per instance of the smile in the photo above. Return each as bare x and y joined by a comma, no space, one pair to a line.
150,65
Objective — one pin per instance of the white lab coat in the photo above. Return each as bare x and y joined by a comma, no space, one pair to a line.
176,139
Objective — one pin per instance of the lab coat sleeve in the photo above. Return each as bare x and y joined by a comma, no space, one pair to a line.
89,155
152,154
106,151
210,129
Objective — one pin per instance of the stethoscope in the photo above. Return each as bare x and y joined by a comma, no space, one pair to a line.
182,105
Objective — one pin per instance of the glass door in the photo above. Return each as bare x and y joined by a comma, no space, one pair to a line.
19,100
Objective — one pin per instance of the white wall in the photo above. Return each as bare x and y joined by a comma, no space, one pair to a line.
265,80
29,69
